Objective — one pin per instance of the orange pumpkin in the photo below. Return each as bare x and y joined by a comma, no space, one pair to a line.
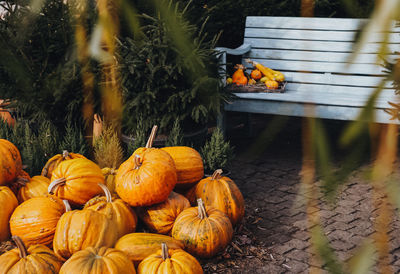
140,245
121,213
77,180
10,162
167,261
6,117
79,229
160,218
203,231
54,161
256,74
109,176
271,84
239,73
97,261
22,179
147,177
188,163
241,81
223,194
35,259
35,187
8,203
35,220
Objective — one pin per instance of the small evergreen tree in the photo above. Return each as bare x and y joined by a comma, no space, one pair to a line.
107,148
139,137
74,140
175,137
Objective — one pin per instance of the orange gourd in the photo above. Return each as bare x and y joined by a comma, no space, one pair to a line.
256,74
239,73
54,161
10,162
167,261
8,203
203,231
35,187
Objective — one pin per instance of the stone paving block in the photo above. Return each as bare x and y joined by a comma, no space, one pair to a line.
301,235
298,255
339,235
294,266
340,245
339,225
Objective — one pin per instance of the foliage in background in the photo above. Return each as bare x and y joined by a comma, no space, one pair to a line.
216,153
175,136
107,148
138,137
74,140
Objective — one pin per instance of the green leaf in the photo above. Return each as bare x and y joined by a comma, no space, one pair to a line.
363,260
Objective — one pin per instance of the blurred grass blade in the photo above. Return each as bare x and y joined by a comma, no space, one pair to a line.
363,260
131,16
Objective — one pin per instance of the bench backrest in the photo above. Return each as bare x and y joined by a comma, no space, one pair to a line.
313,54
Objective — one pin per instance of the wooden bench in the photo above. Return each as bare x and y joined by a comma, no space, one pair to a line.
313,54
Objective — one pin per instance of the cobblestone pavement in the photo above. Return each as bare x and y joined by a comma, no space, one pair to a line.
271,186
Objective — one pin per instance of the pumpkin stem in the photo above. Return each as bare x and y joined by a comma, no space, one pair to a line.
23,252
137,161
65,154
152,137
201,209
67,205
106,192
113,171
164,251
21,181
216,174
55,184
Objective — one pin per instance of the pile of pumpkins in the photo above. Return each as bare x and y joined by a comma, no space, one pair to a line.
78,218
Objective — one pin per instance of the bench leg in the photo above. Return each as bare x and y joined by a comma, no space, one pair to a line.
221,122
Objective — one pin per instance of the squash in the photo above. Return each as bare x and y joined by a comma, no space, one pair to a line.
271,84
239,73
160,218
223,194
37,186
10,162
79,229
121,213
168,261
147,177
8,203
54,161
34,259
188,163
98,261
256,74
203,231
77,180
140,245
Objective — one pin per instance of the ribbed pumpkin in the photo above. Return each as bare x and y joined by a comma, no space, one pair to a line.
140,245
10,162
8,203
167,261
99,260
123,216
54,161
37,186
204,231
147,177
77,180
160,218
188,163
79,229
109,176
34,259
223,194
35,220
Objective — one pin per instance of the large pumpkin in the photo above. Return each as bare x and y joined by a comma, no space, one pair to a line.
160,218
79,229
77,180
188,163
10,162
167,261
223,194
98,261
121,213
35,220
37,186
8,203
140,245
147,177
54,161
35,259
109,176
204,231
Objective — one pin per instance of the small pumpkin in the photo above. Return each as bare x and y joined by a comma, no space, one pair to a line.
239,73
79,229
256,74
34,259
8,203
160,218
203,231
121,213
241,81
223,194
109,176
141,245
271,84
37,186
188,163
35,220
167,261
77,180
98,261
147,177
54,161
10,162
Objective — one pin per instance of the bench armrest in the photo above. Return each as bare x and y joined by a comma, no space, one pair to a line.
237,51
